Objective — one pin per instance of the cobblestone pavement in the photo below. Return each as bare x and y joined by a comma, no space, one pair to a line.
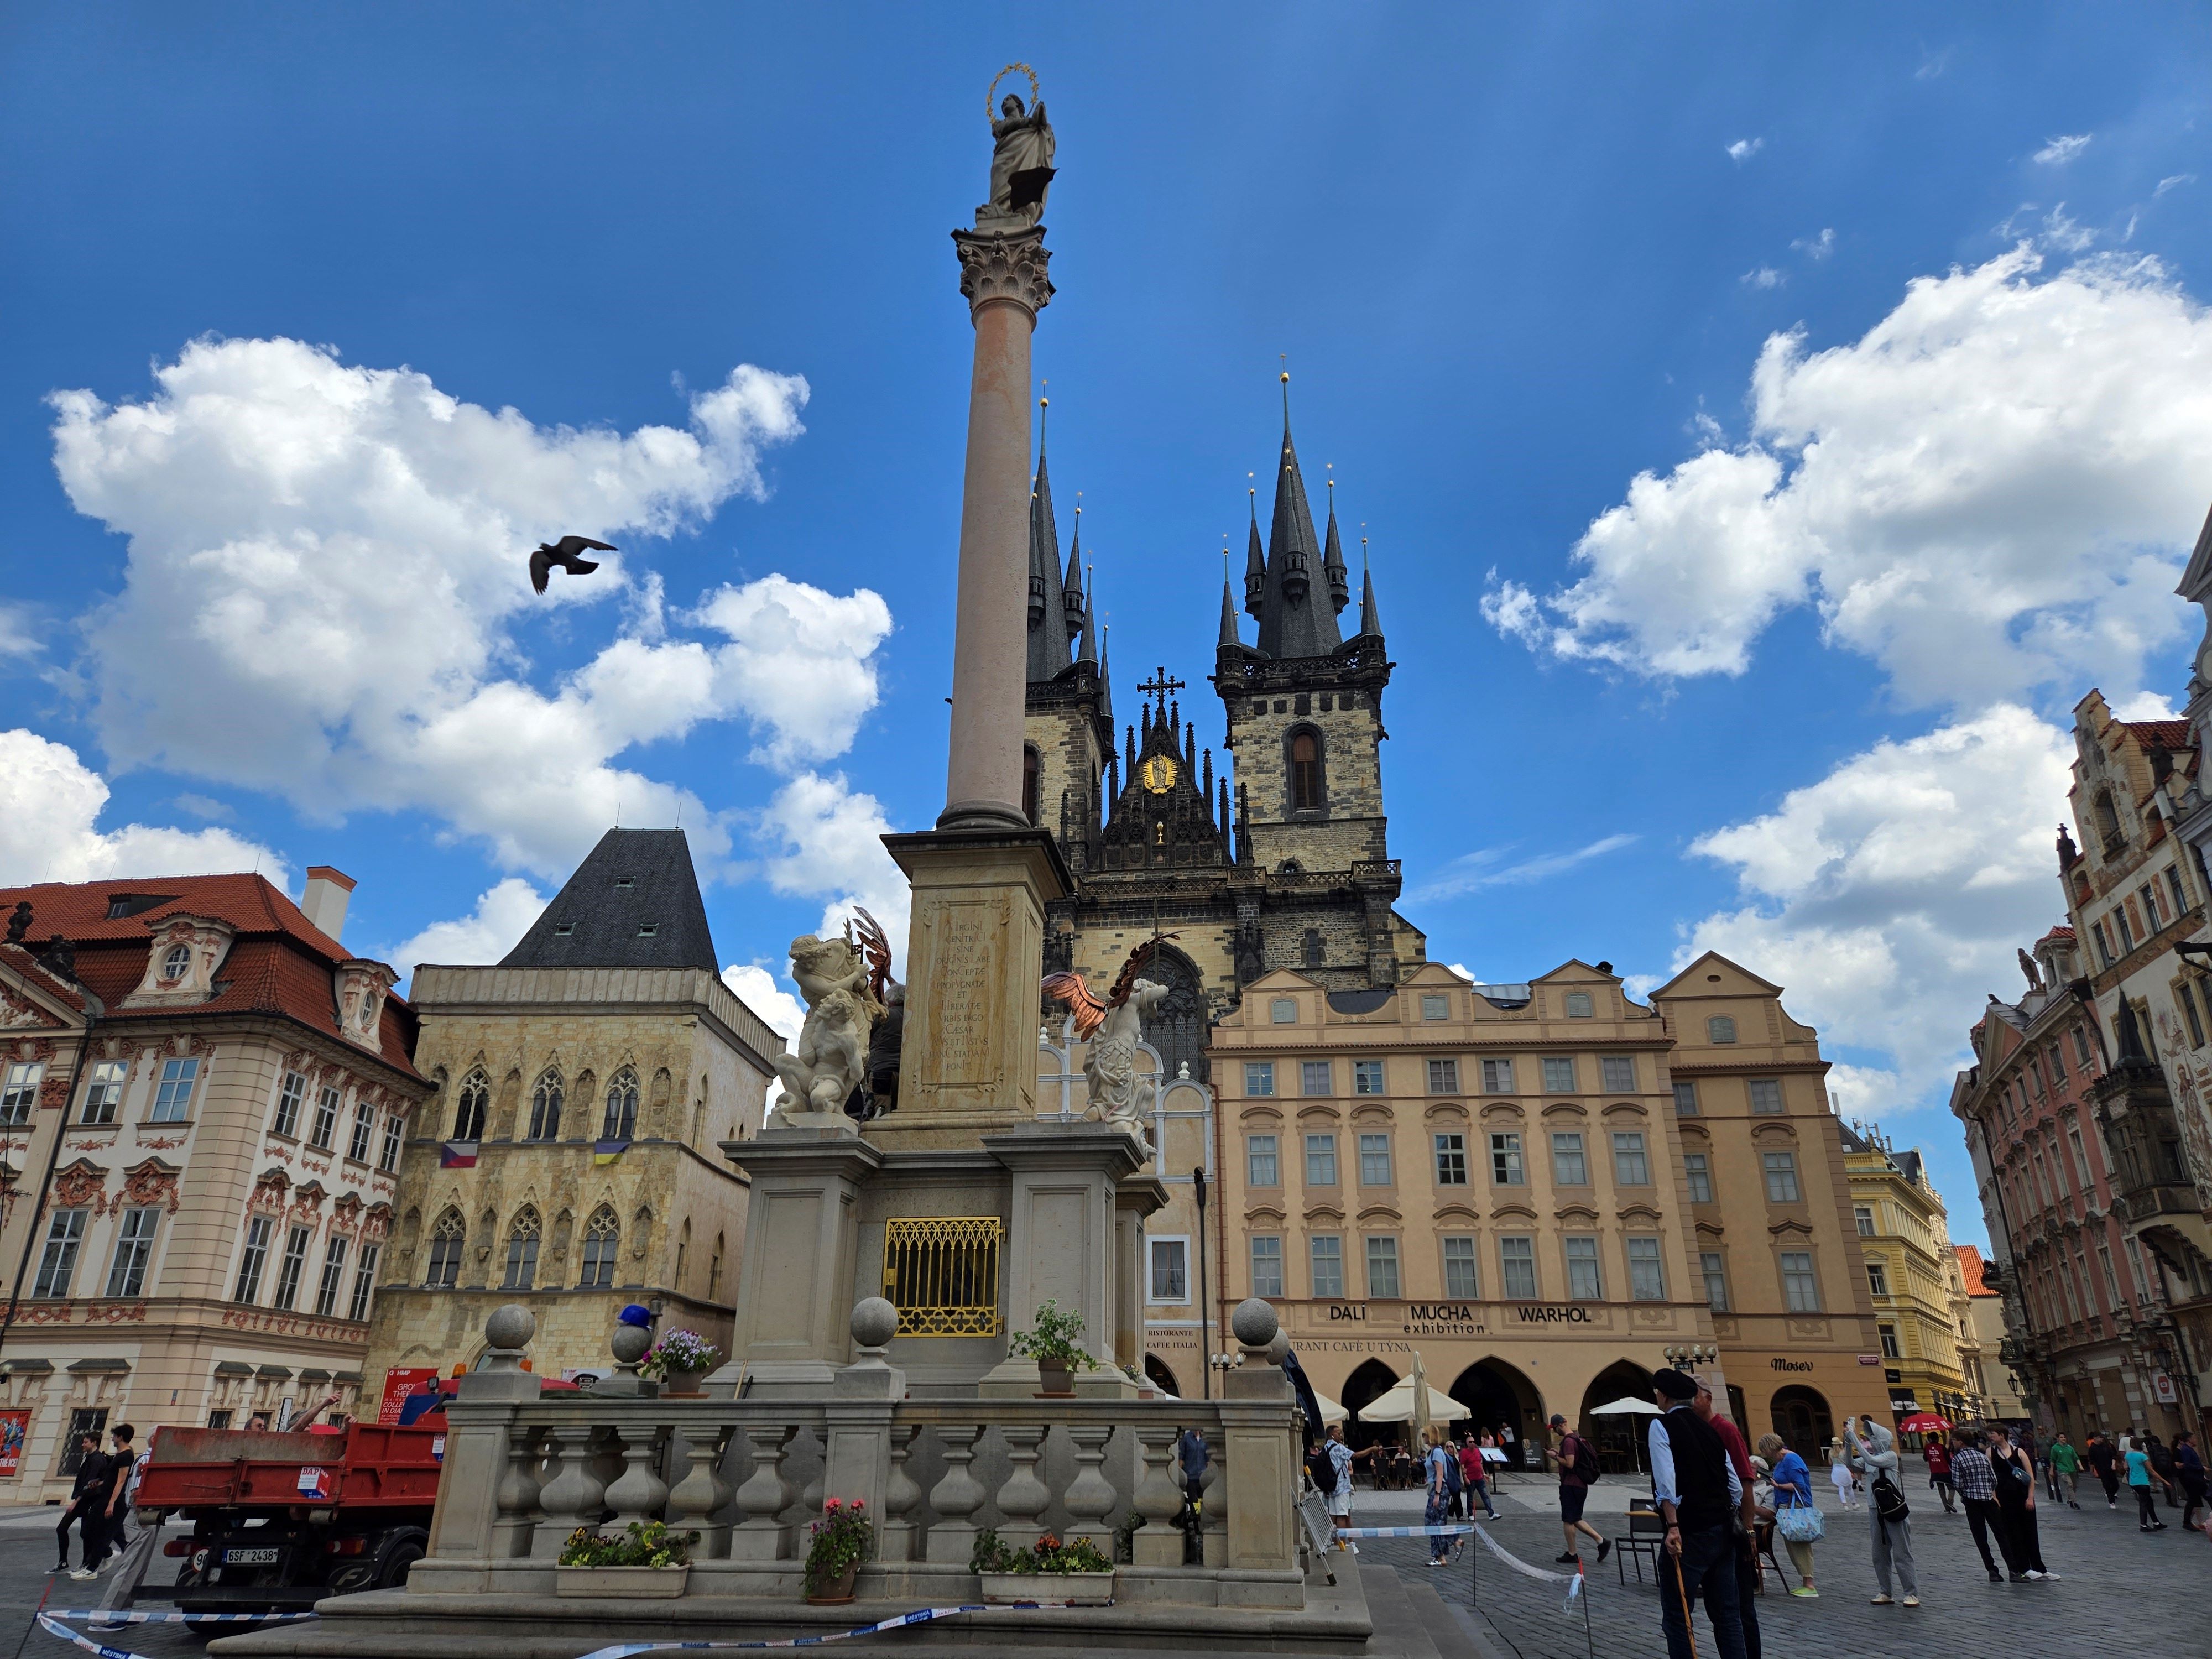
27,1550
2119,1593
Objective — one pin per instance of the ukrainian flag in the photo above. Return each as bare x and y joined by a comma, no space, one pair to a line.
608,1151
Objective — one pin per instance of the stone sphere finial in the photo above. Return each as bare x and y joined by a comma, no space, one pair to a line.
510,1327
629,1344
1255,1322
1278,1348
875,1322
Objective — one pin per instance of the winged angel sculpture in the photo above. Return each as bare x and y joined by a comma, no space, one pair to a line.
845,982
1119,1094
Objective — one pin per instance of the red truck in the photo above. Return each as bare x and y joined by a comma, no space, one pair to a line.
281,1521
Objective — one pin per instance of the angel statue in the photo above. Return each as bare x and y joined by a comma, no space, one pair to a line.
830,1058
1118,1094
878,1090
1021,161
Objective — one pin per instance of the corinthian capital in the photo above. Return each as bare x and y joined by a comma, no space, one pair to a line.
1004,264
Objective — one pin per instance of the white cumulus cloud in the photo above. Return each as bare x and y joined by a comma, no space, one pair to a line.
2064,148
1988,493
327,565
49,827
1762,277
503,914
1744,149
821,838
1888,898
799,663
756,987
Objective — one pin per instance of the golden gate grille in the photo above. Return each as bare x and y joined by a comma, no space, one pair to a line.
941,1272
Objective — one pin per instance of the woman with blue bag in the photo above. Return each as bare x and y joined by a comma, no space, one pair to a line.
1795,1517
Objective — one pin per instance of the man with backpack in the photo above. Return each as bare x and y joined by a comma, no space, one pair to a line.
1339,1495
1579,1473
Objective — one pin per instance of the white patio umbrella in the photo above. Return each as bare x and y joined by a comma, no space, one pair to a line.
1330,1411
1395,1405
1629,1406
1419,1388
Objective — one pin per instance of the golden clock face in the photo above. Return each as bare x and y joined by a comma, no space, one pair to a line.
1158,774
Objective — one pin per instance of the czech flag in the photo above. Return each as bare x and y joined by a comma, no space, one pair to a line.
606,1152
457,1155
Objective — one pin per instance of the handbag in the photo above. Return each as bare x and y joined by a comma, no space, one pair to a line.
1799,1523
1889,1503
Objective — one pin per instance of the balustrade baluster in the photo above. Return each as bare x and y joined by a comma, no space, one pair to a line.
574,1496
1214,1499
1158,1542
517,1513
762,1536
901,1497
638,1492
956,1497
1090,1496
703,1492
1023,1498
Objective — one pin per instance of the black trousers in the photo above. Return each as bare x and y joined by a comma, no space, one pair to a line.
2019,1525
91,1523
1746,1595
2146,1506
1983,1519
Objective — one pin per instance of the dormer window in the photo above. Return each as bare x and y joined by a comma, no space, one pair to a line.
563,929
176,963
647,929
623,884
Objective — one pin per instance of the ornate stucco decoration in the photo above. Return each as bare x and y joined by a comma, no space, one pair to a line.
181,966
361,987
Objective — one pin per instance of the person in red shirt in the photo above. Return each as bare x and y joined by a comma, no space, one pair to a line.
1747,1571
1939,1470
1474,1475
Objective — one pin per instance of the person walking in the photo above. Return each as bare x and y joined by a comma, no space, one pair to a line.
2015,1481
2140,1475
1872,1450
1841,1478
1977,1483
2161,1461
2065,1466
1796,1516
1440,1467
1578,1461
1474,1478
1696,1488
1938,1456
2189,1469
2105,1459
87,1508
1340,1496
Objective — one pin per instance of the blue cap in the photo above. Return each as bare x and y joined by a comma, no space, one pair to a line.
636,1314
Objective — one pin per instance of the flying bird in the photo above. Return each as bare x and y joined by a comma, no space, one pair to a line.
567,553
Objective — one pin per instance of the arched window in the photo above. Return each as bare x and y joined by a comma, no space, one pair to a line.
447,1236
545,1108
1032,781
522,1250
2108,821
1720,1029
602,1239
1305,772
622,1107
470,1106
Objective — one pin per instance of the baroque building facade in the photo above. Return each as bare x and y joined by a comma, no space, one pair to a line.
203,1096
571,1158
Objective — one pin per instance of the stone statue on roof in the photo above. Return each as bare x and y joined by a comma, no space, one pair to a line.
1021,159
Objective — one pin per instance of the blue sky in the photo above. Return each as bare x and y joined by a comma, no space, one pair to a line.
1768,423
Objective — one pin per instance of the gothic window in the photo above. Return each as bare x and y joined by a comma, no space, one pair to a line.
447,1237
469,1108
1032,772
714,1270
1306,780
522,1249
1312,947
545,1108
1177,1028
602,1239
2108,821
621,1122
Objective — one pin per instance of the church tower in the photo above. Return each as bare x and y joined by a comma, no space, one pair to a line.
1068,727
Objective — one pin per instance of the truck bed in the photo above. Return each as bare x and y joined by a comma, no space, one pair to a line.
369,1465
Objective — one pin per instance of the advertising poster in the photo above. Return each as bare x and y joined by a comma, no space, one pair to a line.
13,1426
399,1382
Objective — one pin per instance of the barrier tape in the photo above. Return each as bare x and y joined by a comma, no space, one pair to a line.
1573,1580
110,1617
1452,1531
920,1616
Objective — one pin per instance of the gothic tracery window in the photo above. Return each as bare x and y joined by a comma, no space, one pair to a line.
522,1249
621,1122
447,1236
602,1240
545,1108
469,1107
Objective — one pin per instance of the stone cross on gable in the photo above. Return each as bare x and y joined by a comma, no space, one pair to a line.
1161,685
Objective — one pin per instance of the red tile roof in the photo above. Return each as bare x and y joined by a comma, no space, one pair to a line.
1970,1267
2062,931
279,961
2159,734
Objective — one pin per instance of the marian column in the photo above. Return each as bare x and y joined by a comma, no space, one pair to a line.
981,878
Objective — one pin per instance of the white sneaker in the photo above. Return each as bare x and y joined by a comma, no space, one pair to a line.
2050,1578
82,1572
2033,1576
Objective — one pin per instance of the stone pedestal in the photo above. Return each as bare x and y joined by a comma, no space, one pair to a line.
795,1279
976,953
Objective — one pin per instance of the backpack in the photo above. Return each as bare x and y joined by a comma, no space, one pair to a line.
1455,1479
1582,1462
1321,1469
1889,1503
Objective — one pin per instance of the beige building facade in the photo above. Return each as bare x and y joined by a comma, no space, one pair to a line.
572,1157
1919,1298
202,1098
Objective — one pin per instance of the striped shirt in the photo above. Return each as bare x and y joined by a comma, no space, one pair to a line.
1972,1475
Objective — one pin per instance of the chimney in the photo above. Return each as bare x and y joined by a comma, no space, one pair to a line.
325,900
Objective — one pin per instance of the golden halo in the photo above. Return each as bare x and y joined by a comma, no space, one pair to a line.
989,106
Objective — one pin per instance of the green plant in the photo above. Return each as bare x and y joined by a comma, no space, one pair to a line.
842,1539
993,1554
680,1351
1051,1340
641,1544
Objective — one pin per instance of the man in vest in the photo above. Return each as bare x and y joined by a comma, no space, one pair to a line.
1698,1491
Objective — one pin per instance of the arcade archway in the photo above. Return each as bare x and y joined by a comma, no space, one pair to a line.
1617,1438
1368,1382
1802,1419
1505,1404
1158,1374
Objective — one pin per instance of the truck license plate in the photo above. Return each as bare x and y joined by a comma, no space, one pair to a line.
252,1557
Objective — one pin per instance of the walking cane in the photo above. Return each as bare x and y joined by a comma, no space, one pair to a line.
1682,1590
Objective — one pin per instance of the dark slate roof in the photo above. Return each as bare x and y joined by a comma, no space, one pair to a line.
1304,625
1048,630
633,879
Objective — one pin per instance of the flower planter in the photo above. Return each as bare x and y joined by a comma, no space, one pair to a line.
837,1592
1080,1590
655,1584
680,1381
1056,1378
